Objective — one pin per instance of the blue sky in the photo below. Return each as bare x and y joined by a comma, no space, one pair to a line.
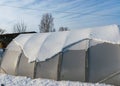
74,14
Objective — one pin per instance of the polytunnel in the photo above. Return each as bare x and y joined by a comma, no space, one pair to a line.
89,55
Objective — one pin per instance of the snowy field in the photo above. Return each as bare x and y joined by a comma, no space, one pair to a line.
8,80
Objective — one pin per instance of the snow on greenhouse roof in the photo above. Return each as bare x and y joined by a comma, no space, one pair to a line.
41,46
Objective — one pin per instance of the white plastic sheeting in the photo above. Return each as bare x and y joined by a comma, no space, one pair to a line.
41,46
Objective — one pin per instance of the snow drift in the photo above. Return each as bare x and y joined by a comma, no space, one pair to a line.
8,80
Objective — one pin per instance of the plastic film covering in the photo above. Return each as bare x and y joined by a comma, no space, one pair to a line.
13,47
73,62
82,45
115,80
104,60
9,61
55,42
48,69
24,68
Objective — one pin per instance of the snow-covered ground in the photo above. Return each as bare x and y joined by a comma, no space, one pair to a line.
8,80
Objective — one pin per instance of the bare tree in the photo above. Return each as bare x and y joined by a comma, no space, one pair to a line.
2,31
63,29
46,24
19,27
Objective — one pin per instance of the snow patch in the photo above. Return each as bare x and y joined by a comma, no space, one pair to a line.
9,80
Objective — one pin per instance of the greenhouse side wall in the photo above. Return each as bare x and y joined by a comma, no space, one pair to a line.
73,62
48,69
9,61
24,68
104,60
